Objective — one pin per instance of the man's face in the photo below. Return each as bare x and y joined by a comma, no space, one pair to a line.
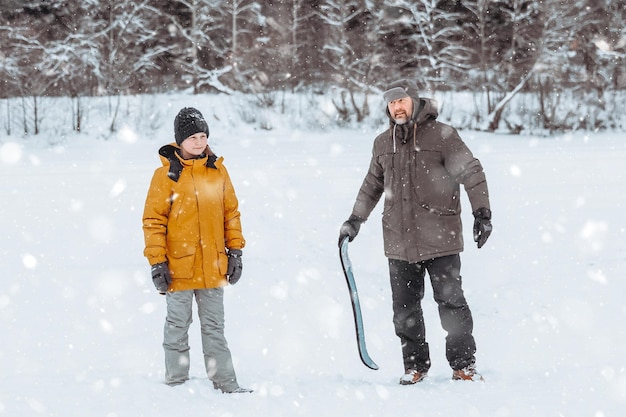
401,110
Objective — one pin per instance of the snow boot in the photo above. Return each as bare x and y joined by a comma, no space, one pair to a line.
239,390
468,373
412,376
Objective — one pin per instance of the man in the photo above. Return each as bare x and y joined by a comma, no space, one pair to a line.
418,163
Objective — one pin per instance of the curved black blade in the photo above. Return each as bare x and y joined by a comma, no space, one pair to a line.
356,306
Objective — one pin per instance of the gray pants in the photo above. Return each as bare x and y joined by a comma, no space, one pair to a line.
217,358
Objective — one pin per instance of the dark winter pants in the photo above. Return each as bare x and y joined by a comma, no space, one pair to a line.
217,358
407,286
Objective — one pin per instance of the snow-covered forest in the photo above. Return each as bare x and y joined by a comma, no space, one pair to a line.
566,57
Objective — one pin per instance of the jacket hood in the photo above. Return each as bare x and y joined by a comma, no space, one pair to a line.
428,108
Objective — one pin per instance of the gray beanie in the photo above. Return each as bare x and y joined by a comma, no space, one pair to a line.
189,121
400,89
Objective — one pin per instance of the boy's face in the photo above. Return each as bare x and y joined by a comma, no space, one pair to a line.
194,145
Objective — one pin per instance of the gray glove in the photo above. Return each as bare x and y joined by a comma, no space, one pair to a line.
482,226
350,228
235,266
161,277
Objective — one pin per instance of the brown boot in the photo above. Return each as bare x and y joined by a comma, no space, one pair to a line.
467,374
411,376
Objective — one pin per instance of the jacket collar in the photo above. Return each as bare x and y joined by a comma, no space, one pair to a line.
170,155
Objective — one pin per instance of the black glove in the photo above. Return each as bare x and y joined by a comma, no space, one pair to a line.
482,225
350,228
235,266
161,277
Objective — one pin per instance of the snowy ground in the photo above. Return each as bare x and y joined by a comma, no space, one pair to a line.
82,325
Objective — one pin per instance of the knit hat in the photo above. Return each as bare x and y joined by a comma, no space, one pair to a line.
400,89
189,121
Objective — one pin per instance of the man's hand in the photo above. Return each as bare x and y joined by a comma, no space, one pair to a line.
350,228
482,226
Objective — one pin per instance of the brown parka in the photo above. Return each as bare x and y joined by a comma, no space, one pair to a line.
191,218
419,172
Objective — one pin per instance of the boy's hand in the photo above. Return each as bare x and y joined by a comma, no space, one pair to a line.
235,266
161,277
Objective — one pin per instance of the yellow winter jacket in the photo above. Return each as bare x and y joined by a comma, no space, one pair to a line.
190,218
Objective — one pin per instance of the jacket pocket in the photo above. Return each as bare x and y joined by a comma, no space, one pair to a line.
439,210
222,263
181,258
434,190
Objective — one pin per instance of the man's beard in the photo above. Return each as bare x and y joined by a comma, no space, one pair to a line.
402,118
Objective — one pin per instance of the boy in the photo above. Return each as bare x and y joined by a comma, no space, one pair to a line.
194,243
